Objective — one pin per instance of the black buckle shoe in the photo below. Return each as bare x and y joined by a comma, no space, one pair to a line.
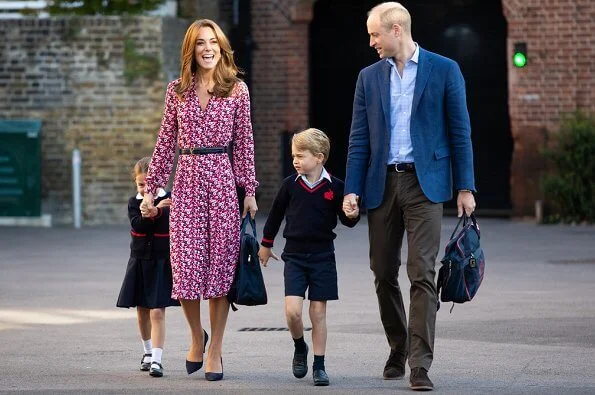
156,369
419,380
145,366
320,377
299,365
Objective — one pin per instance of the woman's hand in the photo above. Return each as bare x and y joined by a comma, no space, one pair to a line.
250,205
146,206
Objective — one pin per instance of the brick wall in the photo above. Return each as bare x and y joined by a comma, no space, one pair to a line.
559,78
280,96
69,72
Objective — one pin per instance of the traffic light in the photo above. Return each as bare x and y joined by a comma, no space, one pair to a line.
519,57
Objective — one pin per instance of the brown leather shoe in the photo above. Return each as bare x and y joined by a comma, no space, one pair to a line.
393,373
419,380
394,369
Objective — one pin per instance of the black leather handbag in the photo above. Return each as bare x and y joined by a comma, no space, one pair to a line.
248,287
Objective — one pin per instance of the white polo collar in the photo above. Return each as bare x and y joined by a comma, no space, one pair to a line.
324,174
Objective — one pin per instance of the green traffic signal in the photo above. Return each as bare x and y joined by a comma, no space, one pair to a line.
519,59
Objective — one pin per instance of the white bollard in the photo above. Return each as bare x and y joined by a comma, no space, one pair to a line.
76,187
539,211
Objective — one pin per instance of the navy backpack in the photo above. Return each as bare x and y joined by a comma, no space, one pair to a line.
463,264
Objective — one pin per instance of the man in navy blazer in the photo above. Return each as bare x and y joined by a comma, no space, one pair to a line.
409,147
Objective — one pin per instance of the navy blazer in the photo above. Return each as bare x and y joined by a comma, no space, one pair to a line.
440,131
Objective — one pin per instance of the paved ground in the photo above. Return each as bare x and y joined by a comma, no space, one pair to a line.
529,330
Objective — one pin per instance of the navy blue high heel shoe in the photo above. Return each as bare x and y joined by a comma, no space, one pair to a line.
210,376
192,367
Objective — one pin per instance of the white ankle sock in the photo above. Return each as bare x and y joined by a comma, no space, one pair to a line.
157,352
147,346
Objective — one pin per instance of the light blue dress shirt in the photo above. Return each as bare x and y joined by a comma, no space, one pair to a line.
323,175
401,101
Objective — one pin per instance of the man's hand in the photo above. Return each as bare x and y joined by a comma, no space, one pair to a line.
465,201
353,213
350,207
250,206
264,253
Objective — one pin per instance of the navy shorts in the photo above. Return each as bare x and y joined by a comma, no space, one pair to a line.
315,272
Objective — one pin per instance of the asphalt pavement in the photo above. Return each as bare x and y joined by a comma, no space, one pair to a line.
529,330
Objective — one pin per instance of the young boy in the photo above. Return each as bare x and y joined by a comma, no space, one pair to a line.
310,201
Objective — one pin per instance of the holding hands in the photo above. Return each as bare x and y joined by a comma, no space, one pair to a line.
264,254
146,207
350,206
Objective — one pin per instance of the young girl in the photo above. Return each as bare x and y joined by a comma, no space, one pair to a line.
148,281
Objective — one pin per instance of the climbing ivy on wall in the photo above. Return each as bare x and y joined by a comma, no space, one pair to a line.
137,64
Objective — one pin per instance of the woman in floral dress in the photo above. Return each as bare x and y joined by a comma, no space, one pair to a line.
207,113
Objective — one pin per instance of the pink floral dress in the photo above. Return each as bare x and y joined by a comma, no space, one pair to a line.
204,216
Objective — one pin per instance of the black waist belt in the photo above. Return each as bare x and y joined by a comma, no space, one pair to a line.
402,167
203,150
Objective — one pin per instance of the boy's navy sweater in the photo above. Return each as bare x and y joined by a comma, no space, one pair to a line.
150,236
310,215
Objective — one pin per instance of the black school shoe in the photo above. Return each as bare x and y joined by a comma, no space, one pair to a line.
299,365
419,380
156,370
320,377
145,366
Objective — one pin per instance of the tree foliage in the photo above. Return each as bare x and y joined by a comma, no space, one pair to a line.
571,188
102,7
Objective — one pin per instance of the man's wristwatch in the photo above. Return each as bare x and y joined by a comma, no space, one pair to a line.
465,190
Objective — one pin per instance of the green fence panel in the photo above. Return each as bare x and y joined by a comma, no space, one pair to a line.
20,168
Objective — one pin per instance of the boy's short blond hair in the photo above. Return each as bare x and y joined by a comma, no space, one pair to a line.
313,140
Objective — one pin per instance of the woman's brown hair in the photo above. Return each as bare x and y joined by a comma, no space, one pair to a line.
226,71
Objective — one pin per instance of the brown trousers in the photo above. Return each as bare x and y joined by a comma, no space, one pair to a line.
406,208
